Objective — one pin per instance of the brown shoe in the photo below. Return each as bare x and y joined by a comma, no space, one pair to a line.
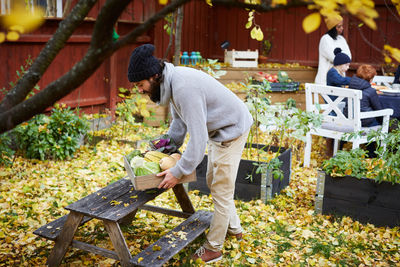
238,236
206,255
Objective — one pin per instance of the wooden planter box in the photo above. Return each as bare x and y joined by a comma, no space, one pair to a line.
262,187
362,199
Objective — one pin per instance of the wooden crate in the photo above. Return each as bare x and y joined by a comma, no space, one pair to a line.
151,181
246,59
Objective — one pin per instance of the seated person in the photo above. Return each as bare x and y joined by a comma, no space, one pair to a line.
370,101
336,76
397,75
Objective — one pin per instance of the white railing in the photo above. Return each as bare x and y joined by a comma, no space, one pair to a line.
5,6
54,9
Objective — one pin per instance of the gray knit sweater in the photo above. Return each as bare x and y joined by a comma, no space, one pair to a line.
203,107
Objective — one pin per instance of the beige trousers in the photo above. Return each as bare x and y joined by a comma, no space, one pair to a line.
223,163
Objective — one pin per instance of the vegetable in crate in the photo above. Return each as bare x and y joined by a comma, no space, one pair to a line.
164,144
155,156
143,167
133,154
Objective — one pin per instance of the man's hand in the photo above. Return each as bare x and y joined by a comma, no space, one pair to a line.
169,180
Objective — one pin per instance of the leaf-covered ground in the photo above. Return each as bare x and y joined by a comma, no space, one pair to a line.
284,232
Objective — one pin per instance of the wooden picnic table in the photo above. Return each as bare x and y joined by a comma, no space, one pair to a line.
117,204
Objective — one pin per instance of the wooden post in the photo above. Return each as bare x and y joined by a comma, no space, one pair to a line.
183,198
118,240
128,219
112,84
65,238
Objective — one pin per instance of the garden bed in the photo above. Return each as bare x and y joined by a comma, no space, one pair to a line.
261,186
362,199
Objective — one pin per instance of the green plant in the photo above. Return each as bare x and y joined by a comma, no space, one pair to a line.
285,120
20,73
133,106
51,137
347,163
385,167
6,152
214,68
266,44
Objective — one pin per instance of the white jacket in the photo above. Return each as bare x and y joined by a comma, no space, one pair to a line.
326,47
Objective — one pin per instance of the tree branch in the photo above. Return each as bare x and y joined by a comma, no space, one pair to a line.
142,28
265,6
81,71
14,110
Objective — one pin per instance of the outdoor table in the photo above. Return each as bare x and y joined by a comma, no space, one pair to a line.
117,204
393,102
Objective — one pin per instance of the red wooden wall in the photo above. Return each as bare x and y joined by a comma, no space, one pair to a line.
205,28
99,92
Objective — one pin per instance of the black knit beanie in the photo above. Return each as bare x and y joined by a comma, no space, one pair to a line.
340,58
142,64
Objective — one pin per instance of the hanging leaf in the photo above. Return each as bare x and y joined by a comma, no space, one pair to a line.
311,22
248,24
260,34
253,33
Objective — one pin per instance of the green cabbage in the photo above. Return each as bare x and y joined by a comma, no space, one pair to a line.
137,161
147,168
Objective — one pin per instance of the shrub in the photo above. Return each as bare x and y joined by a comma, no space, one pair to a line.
6,152
51,137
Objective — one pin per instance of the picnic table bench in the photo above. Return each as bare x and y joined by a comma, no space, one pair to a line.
117,204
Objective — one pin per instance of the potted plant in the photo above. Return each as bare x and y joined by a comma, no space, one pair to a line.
265,168
366,189
266,46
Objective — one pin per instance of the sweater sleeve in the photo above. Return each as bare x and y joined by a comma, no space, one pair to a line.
375,102
345,47
333,78
177,130
191,106
326,48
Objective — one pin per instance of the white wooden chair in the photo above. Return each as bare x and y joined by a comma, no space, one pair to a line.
383,80
318,101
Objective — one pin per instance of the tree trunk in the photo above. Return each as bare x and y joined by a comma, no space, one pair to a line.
171,35
178,36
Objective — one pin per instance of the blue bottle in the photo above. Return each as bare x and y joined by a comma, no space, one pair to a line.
185,58
193,58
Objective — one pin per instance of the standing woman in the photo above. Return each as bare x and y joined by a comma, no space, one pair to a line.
329,41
